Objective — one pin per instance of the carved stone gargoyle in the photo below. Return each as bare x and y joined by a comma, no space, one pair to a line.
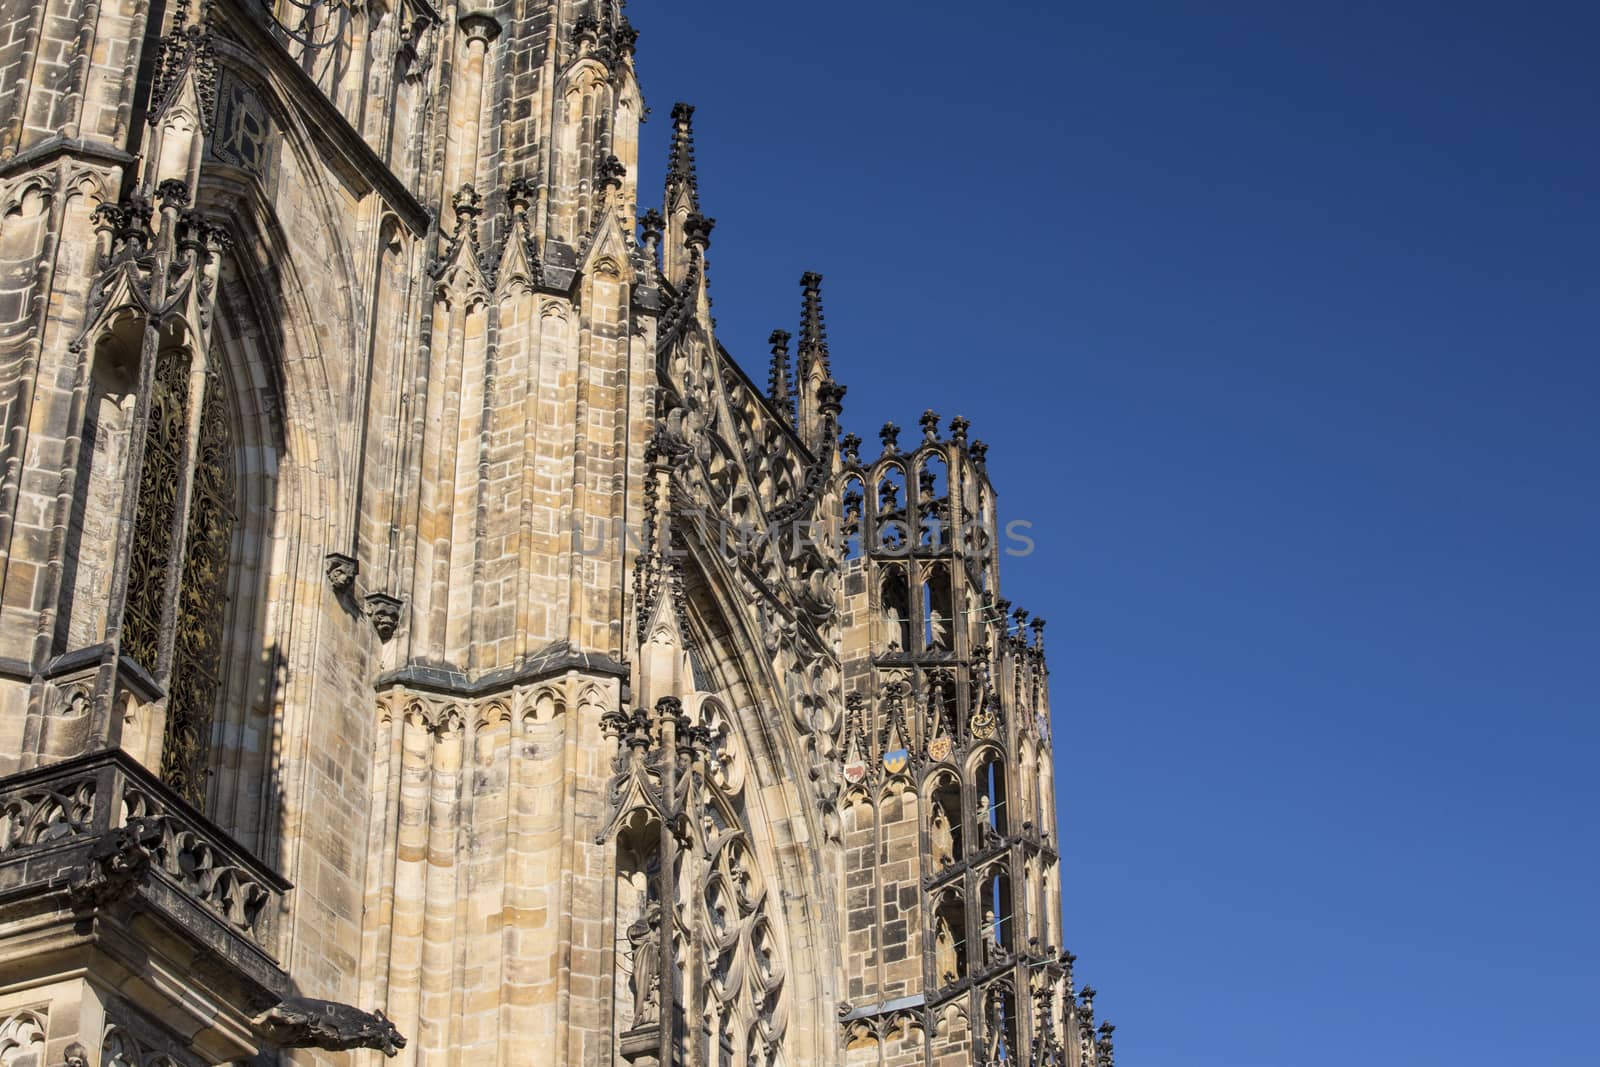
301,1022
119,860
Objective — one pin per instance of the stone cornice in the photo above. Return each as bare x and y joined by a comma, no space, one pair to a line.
452,681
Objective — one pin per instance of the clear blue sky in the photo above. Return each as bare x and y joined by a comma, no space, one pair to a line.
1282,321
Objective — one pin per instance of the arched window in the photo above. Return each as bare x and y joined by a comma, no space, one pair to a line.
194,681
852,509
891,527
160,476
933,501
949,940
176,601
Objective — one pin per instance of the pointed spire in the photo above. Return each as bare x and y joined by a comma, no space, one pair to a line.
780,387
818,393
686,228
813,333
681,178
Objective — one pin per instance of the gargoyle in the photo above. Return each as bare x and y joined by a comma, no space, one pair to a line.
301,1022
119,860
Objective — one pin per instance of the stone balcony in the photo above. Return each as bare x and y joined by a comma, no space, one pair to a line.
105,872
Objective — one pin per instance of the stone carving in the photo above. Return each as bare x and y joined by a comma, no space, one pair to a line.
941,838
342,571
301,1022
938,632
944,954
988,836
893,626
22,1037
645,937
119,861
204,867
384,611
46,815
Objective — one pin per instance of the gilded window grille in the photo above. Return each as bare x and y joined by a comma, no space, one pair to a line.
158,502
195,681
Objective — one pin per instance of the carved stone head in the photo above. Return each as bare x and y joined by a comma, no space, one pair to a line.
341,570
384,611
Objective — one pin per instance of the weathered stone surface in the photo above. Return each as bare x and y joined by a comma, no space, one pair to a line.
407,605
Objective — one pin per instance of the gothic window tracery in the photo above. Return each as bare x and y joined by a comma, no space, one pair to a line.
197,645
713,897
22,1039
853,507
177,599
159,473
891,529
933,501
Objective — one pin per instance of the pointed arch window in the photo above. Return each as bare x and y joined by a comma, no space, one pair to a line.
197,640
177,588
159,480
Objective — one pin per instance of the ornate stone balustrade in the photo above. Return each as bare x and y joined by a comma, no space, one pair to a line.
103,833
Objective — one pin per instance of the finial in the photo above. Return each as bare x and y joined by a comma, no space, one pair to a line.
652,223
780,387
830,398
519,195
468,206
173,193
890,436
1105,1052
611,173
813,332
467,201
958,430
979,453
625,37
929,422
850,444
1038,634
681,178
697,231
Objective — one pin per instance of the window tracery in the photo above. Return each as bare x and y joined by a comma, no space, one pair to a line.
197,644
159,474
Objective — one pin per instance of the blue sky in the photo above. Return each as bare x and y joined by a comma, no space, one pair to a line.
1281,320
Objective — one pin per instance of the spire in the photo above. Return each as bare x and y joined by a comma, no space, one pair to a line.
685,224
682,182
780,389
813,334
813,378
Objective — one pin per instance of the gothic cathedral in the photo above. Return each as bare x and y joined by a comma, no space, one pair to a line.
419,637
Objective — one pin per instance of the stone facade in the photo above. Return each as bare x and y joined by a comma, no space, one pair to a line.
419,637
